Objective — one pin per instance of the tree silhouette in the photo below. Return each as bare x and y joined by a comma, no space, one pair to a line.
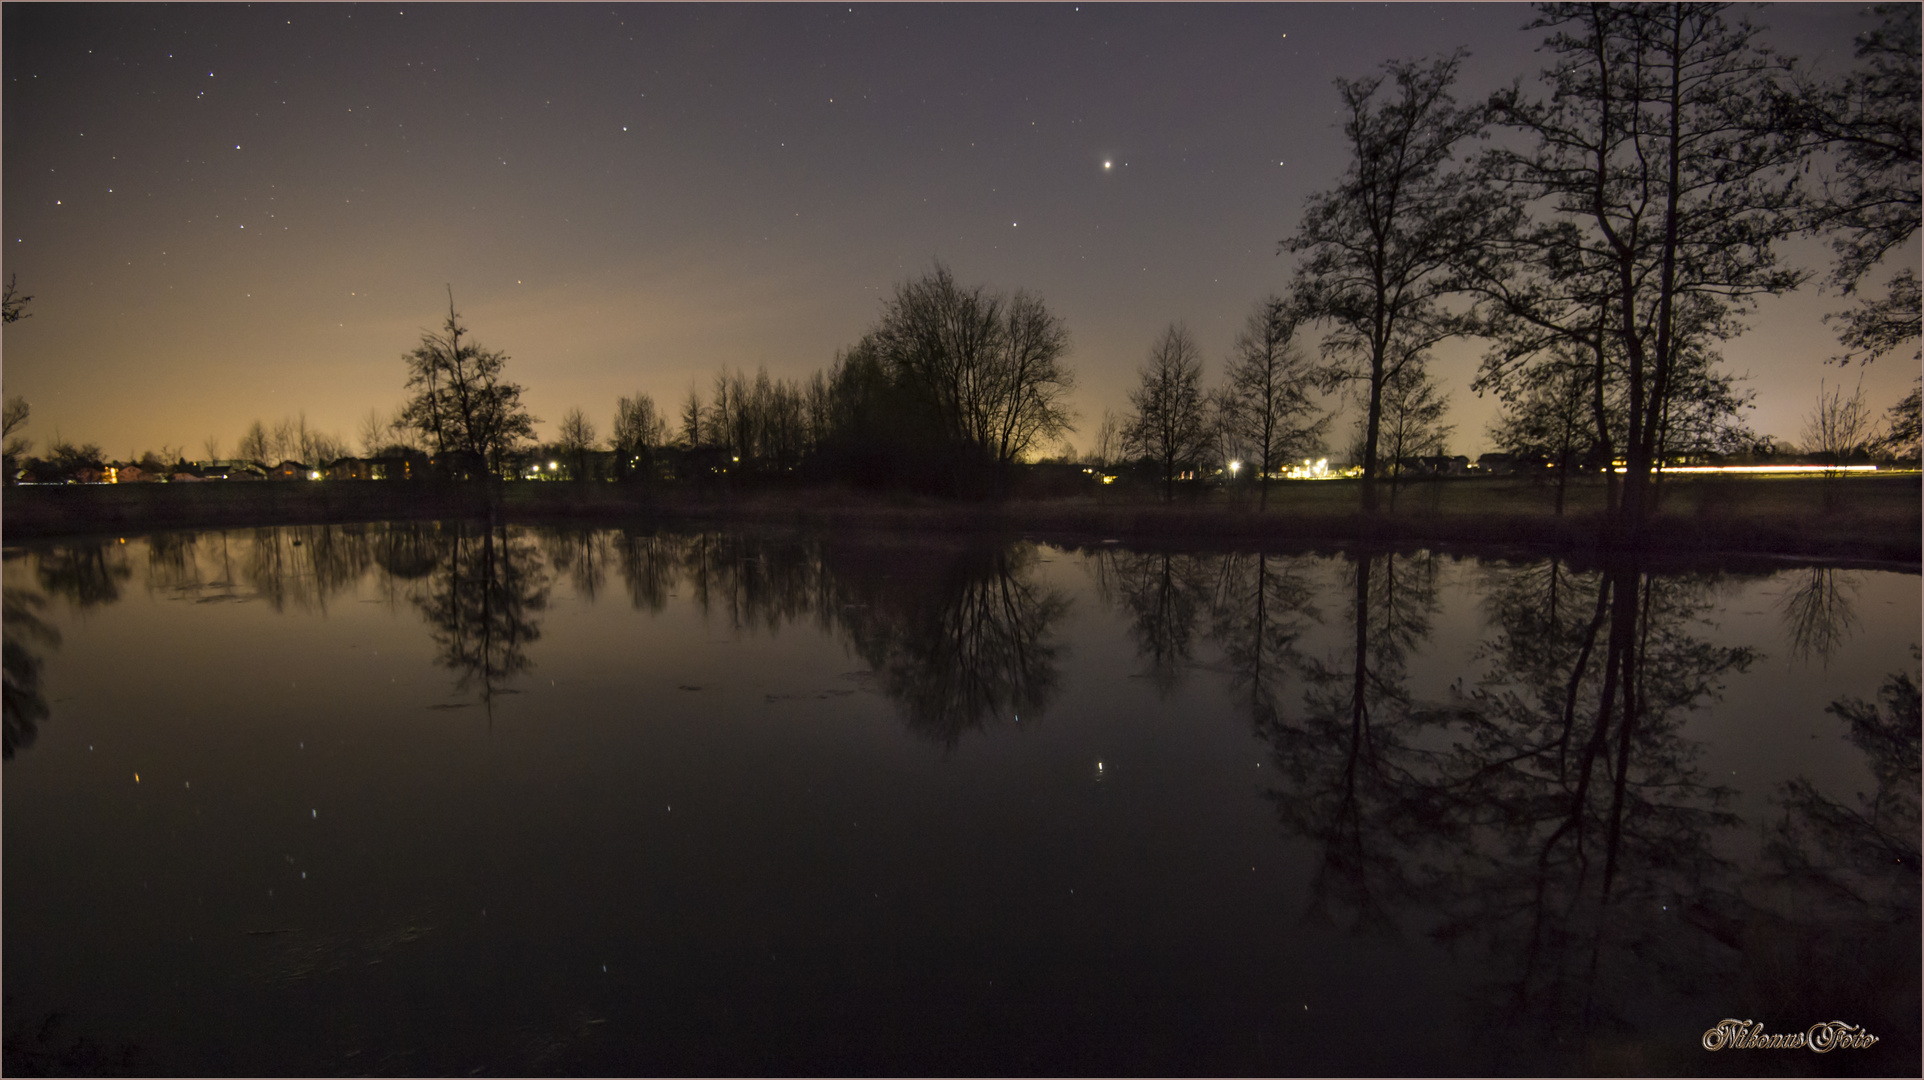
1165,595
1385,243
481,604
1872,201
26,634
990,366
1170,425
1664,183
966,642
460,402
1267,392
13,306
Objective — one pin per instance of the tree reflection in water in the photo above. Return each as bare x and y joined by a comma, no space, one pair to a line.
581,553
1261,605
1584,823
1165,594
25,635
958,643
1349,760
1551,821
480,601
1834,915
85,574
1818,612
958,638
648,564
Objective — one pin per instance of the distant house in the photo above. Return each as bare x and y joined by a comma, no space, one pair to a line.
349,468
458,465
229,470
1496,464
131,474
289,470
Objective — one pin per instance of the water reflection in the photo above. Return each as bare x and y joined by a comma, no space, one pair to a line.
1547,814
26,636
1818,612
1261,607
85,574
959,643
1548,817
1349,757
480,599
1165,595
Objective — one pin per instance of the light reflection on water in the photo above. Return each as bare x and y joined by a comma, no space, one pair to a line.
441,798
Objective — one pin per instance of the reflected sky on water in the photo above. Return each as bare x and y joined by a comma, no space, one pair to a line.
426,798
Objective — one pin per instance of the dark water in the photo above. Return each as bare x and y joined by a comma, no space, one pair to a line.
452,800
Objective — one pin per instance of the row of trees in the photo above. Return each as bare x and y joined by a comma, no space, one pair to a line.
1615,232
952,385
1604,237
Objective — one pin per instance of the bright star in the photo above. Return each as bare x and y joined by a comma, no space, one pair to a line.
1108,164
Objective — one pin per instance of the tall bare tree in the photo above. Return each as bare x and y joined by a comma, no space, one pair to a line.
577,438
461,403
1663,185
638,430
16,445
1171,421
13,306
1412,425
255,444
1871,120
1267,403
1903,426
1384,244
991,366
1838,426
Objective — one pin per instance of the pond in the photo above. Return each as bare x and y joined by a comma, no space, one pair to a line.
460,799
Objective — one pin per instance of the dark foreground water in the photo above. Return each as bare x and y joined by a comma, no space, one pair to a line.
452,800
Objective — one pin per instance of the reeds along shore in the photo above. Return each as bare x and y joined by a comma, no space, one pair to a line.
1875,518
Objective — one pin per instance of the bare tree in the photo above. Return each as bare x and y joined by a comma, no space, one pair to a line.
212,447
1837,427
13,306
577,439
1664,185
1412,424
1267,406
255,444
16,446
1871,201
374,433
461,403
991,366
288,437
691,413
14,418
1903,428
1171,423
1384,244
1108,441
1546,413
638,429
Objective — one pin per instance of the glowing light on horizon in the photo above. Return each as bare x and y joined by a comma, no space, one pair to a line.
1760,468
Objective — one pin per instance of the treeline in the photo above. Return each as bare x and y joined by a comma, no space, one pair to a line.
951,386
1602,233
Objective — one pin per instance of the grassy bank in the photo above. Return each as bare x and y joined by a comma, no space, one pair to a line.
1876,518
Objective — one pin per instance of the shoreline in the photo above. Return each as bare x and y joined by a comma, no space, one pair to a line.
1876,520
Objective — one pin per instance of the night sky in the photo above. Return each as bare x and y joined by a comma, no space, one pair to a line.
231,212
